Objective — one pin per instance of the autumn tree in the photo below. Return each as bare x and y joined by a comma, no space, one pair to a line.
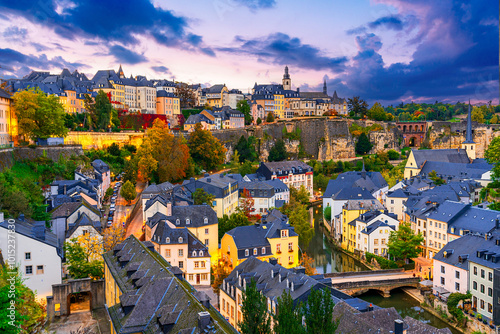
186,95
377,113
200,196
247,203
39,115
81,259
112,236
162,155
28,315
308,262
206,150
128,191
220,271
254,312
477,115
404,244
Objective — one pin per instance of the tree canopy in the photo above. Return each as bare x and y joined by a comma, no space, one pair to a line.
200,196
206,150
357,106
100,112
254,312
246,149
128,191
404,244
39,115
81,261
363,145
162,156
244,107
278,151
227,223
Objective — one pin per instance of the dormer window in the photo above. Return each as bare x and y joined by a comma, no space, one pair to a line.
167,240
255,251
188,221
180,240
200,253
205,220
247,252
194,253
263,250
284,233
177,221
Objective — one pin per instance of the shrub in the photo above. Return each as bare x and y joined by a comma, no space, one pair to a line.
393,155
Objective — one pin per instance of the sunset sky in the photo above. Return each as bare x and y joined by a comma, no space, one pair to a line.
382,50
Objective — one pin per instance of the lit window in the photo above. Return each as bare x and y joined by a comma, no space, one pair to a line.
263,250
247,252
255,251
167,252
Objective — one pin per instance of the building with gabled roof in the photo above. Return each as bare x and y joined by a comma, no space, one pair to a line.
145,294
273,236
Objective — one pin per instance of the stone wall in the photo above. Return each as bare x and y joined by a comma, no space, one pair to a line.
90,140
9,155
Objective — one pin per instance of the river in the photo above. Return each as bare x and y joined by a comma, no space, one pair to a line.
327,260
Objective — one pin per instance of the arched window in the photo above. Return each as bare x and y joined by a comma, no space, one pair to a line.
187,221
177,221
200,253
180,240
194,253
263,250
205,221
247,252
255,251
167,240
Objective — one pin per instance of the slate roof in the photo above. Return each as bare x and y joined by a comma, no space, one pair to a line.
66,209
215,89
195,213
197,118
100,166
4,94
260,189
268,169
163,231
84,220
314,95
152,303
398,193
164,93
374,226
363,204
152,201
457,171
355,193
372,181
461,250
36,231
217,184
444,155
278,185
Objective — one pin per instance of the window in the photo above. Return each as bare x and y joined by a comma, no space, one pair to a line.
196,264
202,264
482,303
474,285
442,280
204,277
263,250
290,247
457,286
247,252
490,307
190,277
167,252
206,242
490,277
375,241
181,264
482,273
442,269
482,288
181,252
194,253
457,274
188,221
255,251
180,240
27,256
206,231
177,221
490,292
278,248
376,251
29,270
475,270
382,241
205,220
284,233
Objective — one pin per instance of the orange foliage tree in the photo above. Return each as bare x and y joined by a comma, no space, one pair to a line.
163,154
247,202
308,262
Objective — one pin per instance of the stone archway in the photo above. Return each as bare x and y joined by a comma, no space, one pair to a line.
59,304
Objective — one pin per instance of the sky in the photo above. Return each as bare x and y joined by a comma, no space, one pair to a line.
389,51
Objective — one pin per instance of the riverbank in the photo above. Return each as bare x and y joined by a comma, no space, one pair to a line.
437,315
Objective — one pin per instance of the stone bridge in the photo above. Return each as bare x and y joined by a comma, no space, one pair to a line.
383,286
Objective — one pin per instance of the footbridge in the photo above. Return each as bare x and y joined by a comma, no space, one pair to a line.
382,281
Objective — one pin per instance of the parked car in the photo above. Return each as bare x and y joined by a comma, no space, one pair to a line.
112,206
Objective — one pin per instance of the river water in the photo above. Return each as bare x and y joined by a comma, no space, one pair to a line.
327,260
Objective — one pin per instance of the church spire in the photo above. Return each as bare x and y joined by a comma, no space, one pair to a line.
324,87
363,170
286,75
468,133
120,72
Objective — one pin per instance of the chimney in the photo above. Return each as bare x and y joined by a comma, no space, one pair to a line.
398,326
273,261
209,180
497,224
370,307
64,190
203,320
21,217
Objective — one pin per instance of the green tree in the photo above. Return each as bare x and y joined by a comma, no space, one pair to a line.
288,318
393,155
244,107
278,151
29,315
206,150
109,193
259,121
377,113
299,218
357,106
477,115
404,244
246,149
101,114
246,168
318,312
80,263
128,191
39,115
494,119
363,145
270,117
437,180
227,223
254,312
200,196
301,195
327,213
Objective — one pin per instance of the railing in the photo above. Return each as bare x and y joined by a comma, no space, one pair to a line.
353,285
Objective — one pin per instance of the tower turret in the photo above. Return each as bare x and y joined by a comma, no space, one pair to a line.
469,145
287,82
325,90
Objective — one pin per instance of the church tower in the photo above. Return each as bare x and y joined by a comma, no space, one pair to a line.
287,82
325,91
120,72
469,145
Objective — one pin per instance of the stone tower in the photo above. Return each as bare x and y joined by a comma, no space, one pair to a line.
287,82
120,72
325,91
469,145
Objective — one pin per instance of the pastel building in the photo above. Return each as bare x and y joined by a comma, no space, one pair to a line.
167,104
291,173
6,118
